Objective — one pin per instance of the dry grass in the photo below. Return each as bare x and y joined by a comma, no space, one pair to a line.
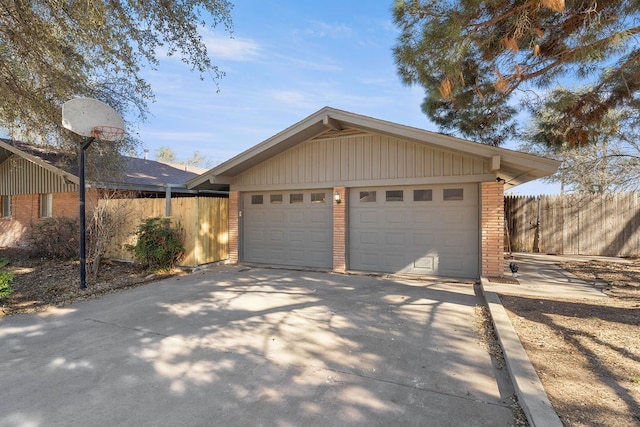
587,353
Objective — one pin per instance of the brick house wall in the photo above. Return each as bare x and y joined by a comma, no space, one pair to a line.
492,229
25,212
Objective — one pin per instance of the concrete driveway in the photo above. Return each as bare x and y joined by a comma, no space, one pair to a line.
249,346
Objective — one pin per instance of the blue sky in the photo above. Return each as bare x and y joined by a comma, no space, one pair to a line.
286,60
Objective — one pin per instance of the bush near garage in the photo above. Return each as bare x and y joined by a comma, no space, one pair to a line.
158,247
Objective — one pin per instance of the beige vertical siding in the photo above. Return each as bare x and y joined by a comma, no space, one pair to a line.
20,176
364,157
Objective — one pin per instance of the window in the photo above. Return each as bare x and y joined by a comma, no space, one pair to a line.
5,206
422,195
275,199
46,201
395,195
296,198
451,194
367,196
317,197
256,199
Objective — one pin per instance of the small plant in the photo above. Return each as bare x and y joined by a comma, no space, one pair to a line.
6,278
159,247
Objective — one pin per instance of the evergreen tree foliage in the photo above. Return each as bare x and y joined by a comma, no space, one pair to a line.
478,59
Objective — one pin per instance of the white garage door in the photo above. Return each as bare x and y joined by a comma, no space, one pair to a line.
288,228
430,230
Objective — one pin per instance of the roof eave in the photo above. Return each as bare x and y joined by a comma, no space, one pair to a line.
67,176
518,167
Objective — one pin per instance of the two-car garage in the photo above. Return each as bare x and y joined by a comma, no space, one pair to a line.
342,191
426,230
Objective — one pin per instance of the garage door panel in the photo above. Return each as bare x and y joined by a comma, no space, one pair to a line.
298,233
296,237
276,237
368,217
395,217
275,218
295,218
395,239
424,263
423,240
435,237
319,218
367,238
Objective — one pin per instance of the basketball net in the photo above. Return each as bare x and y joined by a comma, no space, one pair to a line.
108,133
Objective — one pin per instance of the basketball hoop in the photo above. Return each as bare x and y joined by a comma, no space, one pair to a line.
80,116
108,133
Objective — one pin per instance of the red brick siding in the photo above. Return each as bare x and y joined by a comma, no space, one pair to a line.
340,230
25,211
492,228
234,217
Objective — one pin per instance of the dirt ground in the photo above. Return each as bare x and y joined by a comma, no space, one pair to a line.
587,353
41,283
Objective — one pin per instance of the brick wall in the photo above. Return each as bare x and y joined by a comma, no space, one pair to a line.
492,228
340,230
234,221
25,211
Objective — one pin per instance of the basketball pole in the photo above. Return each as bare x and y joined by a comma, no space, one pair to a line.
83,244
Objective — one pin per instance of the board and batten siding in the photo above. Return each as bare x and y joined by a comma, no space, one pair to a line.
20,176
360,159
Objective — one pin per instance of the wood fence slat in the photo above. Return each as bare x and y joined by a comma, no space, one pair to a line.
203,222
572,224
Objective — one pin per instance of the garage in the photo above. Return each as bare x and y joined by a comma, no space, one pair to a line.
426,230
343,191
292,228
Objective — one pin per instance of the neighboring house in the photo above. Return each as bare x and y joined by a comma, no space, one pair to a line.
341,191
36,183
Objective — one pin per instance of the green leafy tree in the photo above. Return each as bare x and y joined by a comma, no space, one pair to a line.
478,59
54,50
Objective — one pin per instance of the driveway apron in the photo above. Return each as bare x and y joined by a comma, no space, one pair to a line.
253,346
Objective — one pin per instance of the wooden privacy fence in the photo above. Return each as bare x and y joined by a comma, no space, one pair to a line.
573,224
203,221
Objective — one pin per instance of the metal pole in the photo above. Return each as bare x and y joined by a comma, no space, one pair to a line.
83,257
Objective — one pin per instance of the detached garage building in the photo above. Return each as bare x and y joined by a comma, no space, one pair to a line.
342,191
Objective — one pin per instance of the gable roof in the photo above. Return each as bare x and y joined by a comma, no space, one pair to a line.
512,166
137,174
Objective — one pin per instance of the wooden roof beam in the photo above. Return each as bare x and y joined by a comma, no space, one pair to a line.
331,123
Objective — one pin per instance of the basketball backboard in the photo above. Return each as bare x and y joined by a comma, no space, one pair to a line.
88,117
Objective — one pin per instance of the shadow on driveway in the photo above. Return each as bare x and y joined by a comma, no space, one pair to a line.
256,347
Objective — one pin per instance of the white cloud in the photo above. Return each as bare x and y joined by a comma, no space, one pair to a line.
323,29
232,49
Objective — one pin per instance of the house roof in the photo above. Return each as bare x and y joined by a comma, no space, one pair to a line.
512,166
138,174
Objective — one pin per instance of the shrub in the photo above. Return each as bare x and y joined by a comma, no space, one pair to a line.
55,238
6,277
159,247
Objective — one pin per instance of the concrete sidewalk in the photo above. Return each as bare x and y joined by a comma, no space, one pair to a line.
540,277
